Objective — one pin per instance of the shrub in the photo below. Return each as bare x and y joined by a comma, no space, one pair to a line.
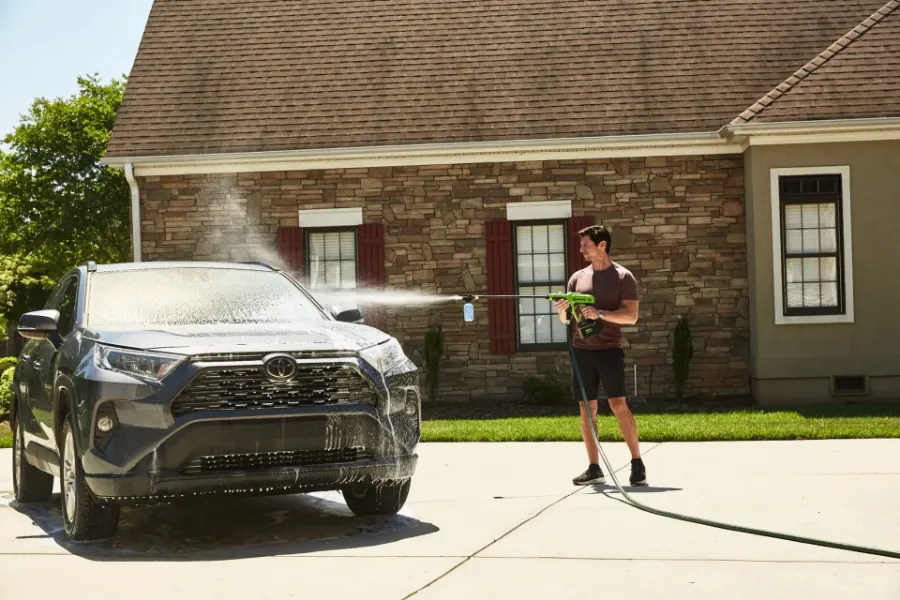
682,355
547,389
6,391
434,352
7,362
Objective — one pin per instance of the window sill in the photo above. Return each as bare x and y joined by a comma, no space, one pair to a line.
814,319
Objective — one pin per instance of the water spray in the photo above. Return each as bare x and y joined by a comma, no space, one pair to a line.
575,299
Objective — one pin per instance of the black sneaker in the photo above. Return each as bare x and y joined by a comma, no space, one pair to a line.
638,472
594,474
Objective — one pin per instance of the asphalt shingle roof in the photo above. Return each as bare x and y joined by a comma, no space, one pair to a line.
217,76
856,77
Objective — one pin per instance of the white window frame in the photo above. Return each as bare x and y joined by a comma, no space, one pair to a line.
330,220
519,213
777,244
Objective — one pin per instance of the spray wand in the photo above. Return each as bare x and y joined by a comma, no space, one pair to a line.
575,299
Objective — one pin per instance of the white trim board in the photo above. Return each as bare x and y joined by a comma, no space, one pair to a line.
534,211
680,144
780,318
330,217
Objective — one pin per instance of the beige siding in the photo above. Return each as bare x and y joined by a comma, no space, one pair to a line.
794,362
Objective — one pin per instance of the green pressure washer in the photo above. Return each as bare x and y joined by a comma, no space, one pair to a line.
587,327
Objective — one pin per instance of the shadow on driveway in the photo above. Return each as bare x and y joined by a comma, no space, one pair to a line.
231,528
609,489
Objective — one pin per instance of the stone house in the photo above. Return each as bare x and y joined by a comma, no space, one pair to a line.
748,161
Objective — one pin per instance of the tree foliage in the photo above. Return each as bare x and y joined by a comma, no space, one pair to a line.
58,205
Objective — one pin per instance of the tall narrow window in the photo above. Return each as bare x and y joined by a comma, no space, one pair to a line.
331,259
811,253
540,269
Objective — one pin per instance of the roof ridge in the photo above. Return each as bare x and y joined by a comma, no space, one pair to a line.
822,58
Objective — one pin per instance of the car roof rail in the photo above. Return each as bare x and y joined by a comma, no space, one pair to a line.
260,264
90,265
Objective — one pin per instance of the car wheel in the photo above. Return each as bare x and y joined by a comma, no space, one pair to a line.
376,498
30,484
84,519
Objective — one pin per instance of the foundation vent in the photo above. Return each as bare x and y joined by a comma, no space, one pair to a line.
849,385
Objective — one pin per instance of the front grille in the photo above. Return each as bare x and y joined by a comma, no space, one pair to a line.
267,460
243,388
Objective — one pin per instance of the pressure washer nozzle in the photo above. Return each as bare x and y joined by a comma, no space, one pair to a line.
468,298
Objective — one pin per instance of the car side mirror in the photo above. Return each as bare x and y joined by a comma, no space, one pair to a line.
351,315
39,324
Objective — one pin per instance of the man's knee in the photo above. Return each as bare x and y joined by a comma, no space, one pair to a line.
619,407
591,403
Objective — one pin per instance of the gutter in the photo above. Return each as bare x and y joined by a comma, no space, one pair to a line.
135,212
804,132
433,154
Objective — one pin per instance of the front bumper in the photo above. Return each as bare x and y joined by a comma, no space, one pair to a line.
139,488
297,450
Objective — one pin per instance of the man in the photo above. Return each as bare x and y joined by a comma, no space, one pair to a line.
598,346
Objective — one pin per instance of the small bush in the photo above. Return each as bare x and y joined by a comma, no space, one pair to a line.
547,389
6,391
7,362
683,353
434,352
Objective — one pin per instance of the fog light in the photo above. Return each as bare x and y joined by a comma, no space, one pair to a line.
105,424
412,409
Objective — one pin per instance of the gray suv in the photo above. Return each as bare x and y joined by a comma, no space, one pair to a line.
151,382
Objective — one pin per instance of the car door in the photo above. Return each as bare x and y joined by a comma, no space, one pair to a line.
44,357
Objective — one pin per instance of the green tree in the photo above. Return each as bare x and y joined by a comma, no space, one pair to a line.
58,205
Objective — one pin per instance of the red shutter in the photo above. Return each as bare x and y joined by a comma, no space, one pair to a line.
501,312
371,255
290,249
575,224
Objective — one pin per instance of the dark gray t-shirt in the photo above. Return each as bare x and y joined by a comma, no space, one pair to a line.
609,287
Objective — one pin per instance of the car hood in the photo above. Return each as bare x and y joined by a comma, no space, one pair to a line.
329,336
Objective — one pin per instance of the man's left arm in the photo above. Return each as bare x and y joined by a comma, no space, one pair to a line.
627,314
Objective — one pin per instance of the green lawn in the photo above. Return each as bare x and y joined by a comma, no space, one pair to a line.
821,422
827,422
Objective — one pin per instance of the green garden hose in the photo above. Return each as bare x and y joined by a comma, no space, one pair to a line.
710,523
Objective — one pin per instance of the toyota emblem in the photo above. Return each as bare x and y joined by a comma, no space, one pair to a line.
280,368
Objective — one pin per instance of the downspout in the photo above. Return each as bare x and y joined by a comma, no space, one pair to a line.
135,212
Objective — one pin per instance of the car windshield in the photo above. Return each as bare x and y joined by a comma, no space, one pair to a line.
184,296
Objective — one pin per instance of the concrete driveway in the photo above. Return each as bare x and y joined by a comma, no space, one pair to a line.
502,521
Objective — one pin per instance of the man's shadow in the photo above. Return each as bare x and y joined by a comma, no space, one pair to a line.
610,489
230,528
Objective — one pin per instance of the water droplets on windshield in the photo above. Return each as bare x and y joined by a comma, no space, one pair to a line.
179,296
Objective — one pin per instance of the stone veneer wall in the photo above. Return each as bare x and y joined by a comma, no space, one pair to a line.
678,225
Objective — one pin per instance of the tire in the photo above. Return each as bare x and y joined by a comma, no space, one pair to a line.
84,519
376,499
30,484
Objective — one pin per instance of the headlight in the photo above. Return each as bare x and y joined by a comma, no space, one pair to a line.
385,357
145,365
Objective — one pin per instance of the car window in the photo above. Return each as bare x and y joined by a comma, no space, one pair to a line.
66,306
189,296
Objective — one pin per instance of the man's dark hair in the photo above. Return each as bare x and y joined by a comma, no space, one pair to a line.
598,233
